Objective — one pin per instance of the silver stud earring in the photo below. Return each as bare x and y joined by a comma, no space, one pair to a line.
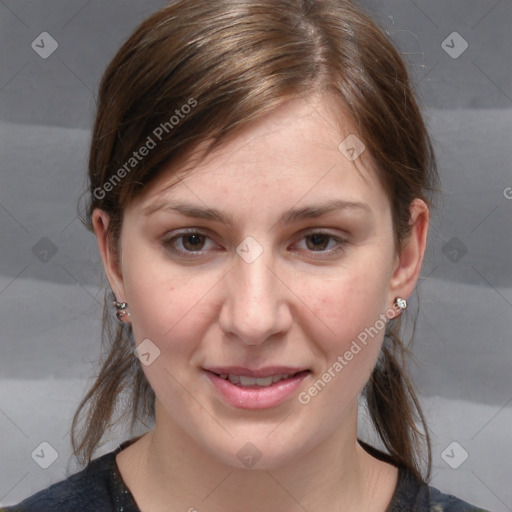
121,313
400,303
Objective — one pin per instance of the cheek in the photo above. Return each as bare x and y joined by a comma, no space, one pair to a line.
350,314
171,311
351,303
161,298
349,347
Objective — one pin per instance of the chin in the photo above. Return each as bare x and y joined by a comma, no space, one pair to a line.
259,452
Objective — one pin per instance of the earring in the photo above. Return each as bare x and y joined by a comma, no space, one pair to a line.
400,304
121,312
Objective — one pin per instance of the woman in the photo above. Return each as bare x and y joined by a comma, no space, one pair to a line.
260,177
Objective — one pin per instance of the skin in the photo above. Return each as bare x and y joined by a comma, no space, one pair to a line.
300,303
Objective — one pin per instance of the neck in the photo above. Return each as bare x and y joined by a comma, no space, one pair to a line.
172,472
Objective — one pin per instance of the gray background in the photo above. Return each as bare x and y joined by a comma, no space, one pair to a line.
51,287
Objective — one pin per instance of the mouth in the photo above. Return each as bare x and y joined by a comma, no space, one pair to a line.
245,381
256,389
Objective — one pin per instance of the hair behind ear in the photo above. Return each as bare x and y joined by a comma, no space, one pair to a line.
394,407
119,373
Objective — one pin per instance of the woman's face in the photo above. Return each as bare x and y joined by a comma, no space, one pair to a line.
273,256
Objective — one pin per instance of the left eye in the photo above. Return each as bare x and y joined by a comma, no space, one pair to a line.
193,241
320,241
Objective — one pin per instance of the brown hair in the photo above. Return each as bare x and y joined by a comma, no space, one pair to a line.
198,71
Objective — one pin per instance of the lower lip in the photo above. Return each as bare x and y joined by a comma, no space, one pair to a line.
255,397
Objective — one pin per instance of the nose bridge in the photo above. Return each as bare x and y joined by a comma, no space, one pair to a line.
254,308
256,283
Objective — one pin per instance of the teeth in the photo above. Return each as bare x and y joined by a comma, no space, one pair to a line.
247,381
264,381
242,380
234,379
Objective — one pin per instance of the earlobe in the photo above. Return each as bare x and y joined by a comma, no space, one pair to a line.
110,258
409,261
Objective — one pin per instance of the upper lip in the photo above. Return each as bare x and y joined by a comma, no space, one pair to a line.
261,372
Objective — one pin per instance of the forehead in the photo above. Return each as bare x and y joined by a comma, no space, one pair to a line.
303,149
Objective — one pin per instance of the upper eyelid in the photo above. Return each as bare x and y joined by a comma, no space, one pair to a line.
340,241
206,232
186,231
341,238
176,236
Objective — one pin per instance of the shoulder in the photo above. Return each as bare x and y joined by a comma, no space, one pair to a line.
86,491
415,495
440,502
412,494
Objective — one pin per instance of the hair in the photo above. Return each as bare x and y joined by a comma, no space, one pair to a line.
200,71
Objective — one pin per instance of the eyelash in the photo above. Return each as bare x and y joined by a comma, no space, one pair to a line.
169,243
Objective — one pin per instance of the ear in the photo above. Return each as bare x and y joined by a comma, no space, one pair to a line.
410,258
111,259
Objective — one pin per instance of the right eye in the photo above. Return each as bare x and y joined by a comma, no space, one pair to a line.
188,243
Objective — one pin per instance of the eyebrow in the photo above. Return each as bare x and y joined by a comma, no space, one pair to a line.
288,217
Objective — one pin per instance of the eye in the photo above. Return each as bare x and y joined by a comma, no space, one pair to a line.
321,242
318,241
191,243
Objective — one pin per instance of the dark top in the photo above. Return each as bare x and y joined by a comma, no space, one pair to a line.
100,488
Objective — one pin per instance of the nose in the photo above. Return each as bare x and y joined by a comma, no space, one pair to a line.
256,306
